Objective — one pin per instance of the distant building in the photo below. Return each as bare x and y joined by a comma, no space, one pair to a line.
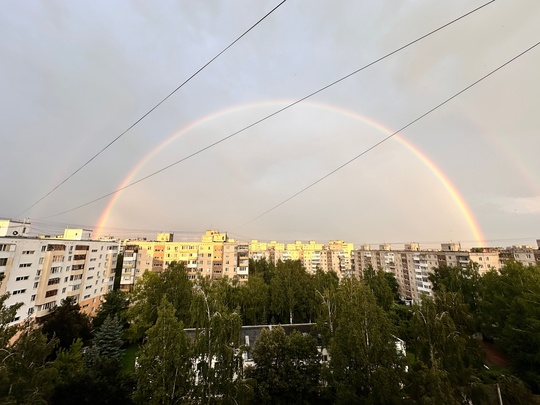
412,266
215,256
333,256
41,271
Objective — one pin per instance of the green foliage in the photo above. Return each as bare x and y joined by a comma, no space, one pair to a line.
378,282
255,301
164,373
69,362
510,314
292,293
67,324
465,281
25,375
148,292
287,368
115,304
7,316
364,363
216,347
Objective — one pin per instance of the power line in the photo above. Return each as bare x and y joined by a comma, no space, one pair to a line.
199,151
151,110
389,136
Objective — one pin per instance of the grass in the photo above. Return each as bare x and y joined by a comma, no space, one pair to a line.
128,360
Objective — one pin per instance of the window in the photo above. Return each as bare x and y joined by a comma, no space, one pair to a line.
28,252
36,284
4,248
3,262
44,248
63,290
51,293
56,269
21,278
41,260
53,281
16,292
33,297
25,264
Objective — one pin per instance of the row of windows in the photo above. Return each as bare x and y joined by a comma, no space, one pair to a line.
16,292
20,278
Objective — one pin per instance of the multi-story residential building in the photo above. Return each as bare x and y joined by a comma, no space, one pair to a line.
215,256
412,266
41,271
334,256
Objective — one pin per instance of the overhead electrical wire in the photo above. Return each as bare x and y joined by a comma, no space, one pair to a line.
390,136
199,151
151,110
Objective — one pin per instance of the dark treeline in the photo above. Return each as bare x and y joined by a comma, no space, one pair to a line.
361,328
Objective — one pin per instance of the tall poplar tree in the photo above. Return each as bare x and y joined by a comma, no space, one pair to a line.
165,373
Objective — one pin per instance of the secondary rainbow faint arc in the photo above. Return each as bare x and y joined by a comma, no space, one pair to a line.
437,172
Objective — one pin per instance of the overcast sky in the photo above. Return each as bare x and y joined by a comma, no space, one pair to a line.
75,74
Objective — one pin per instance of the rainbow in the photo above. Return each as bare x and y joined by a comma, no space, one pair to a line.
444,180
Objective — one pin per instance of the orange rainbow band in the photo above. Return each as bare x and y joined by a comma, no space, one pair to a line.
437,172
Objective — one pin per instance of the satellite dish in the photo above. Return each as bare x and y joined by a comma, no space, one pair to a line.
15,233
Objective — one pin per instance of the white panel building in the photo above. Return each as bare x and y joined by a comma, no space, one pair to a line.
40,272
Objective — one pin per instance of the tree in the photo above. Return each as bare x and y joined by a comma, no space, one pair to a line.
25,375
287,368
148,292
7,317
325,286
292,293
255,301
100,380
115,304
438,348
216,346
377,281
465,281
364,364
510,314
165,373
67,324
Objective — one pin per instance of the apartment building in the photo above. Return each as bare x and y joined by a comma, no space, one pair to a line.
333,256
41,271
215,256
412,266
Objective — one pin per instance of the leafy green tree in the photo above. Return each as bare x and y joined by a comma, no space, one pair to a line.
7,317
102,380
262,268
438,367
115,304
365,366
287,368
326,285
25,375
69,362
148,292
67,323
377,281
165,373
255,301
465,281
216,346
510,314
292,293
118,271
